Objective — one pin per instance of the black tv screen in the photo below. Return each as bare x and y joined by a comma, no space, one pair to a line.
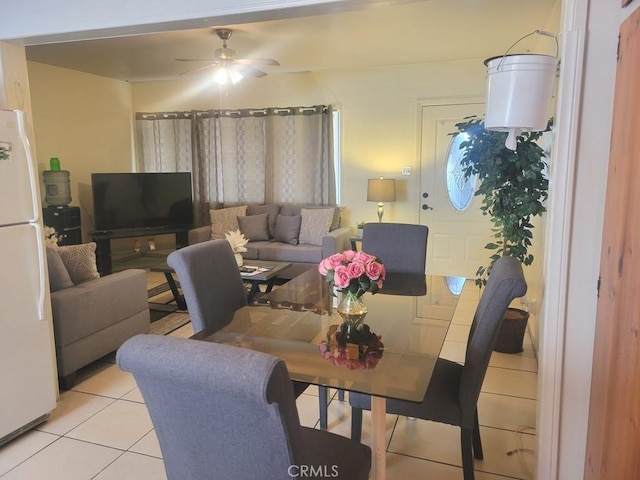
142,200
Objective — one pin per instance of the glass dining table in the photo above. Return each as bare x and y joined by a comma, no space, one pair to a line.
409,319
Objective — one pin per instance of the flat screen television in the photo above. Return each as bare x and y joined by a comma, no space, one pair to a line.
128,201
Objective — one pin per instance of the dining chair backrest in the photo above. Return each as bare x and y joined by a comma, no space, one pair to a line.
505,283
402,247
219,411
211,283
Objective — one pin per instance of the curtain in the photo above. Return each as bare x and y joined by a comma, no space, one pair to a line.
272,155
164,142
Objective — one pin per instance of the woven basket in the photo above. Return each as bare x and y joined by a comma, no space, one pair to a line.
511,333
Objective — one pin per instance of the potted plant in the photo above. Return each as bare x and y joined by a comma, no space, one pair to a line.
514,188
360,228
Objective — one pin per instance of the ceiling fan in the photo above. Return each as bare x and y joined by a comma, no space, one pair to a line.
228,67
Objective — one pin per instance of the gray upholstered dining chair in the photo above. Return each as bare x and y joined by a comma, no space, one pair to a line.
402,247
452,395
212,286
223,412
210,281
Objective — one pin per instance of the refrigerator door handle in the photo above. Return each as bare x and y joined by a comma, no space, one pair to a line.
42,285
35,198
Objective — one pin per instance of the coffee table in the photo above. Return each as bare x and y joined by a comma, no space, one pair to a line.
266,273
168,274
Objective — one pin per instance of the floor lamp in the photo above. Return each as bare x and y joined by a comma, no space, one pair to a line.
381,190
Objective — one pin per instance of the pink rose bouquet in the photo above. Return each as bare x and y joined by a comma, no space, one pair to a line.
355,272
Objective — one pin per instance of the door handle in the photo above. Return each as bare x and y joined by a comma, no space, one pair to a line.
424,205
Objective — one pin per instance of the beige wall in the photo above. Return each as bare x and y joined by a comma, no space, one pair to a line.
85,121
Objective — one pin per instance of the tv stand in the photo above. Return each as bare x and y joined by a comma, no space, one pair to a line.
103,241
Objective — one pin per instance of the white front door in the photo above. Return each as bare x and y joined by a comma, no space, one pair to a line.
458,231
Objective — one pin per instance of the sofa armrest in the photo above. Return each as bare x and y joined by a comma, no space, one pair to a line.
336,241
200,234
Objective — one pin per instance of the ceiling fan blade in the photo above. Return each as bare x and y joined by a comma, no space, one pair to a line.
258,61
210,60
193,70
246,70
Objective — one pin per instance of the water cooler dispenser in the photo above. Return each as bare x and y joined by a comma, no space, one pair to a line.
65,220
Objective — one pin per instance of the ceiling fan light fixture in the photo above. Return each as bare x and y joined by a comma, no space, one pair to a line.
235,76
224,75
221,77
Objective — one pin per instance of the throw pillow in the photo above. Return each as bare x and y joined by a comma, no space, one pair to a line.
316,223
255,227
80,261
287,228
272,209
59,278
225,220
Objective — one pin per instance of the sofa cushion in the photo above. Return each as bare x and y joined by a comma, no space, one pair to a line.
284,252
252,250
80,261
287,229
255,227
225,220
316,223
59,278
296,209
271,209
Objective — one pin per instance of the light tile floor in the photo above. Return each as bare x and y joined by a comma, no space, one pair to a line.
101,429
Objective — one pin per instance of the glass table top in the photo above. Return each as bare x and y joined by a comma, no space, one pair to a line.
411,314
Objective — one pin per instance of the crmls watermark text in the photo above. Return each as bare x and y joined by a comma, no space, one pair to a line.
313,471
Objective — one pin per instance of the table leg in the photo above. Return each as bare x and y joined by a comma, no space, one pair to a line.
182,305
270,284
252,293
378,437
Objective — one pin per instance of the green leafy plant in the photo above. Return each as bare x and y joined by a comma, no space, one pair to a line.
513,184
360,225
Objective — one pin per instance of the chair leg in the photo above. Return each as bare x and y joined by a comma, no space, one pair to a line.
356,424
477,443
323,400
466,441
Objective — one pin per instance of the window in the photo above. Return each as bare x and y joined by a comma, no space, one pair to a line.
337,150
459,189
455,284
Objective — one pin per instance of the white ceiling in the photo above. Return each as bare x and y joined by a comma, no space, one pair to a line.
384,35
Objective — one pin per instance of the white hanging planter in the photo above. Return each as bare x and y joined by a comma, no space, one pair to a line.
519,92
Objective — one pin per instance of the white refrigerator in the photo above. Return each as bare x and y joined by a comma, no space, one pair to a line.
28,374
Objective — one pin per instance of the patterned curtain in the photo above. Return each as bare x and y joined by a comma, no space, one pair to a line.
300,156
165,141
272,155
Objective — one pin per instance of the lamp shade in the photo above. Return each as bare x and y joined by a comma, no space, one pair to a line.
381,190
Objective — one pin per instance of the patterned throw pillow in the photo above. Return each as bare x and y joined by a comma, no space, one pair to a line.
59,278
80,261
316,223
225,220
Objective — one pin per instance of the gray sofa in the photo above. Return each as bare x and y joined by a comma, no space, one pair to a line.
95,317
302,256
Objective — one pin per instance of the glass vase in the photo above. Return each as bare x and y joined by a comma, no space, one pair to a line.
353,311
